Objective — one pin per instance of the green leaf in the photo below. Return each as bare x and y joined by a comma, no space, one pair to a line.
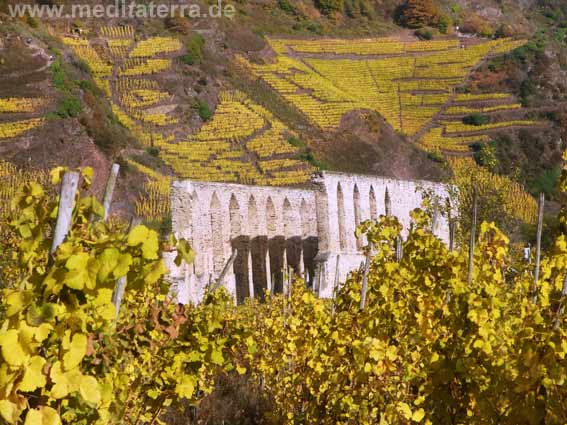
184,253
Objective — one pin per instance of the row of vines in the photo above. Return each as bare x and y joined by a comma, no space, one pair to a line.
428,347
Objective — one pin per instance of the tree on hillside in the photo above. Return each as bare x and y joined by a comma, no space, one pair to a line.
418,13
329,7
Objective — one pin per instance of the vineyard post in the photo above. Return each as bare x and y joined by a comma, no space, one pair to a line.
109,192
451,226
365,279
473,235
121,283
562,308
69,186
268,272
250,275
541,207
226,268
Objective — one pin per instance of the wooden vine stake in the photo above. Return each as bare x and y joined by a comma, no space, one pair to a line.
225,270
561,310
472,243
109,192
69,186
364,289
541,207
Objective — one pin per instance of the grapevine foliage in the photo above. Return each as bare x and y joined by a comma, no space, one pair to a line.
63,358
428,348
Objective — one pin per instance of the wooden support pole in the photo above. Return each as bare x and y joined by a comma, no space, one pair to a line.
250,274
121,283
472,243
337,269
364,289
69,186
109,192
268,272
561,310
225,270
541,208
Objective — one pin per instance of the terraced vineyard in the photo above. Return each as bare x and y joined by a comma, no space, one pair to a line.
408,83
243,142
411,84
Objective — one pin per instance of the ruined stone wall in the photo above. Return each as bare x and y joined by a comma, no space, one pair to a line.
271,230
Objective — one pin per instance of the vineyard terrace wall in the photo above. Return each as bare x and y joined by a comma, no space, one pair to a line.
308,231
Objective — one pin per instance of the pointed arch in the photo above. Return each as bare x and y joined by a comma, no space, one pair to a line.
235,218
341,217
288,219
252,217
271,218
216,233
373,205
357,214
305,223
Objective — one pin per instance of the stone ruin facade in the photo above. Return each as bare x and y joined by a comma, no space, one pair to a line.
259,236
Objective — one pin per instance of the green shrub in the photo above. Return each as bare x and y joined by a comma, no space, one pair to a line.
476,119
203,110
546,183
287,7
445,22
486,156
194,45
32,22
153,151
424,34
329,7
69,107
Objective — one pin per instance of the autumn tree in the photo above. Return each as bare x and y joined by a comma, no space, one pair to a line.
418,13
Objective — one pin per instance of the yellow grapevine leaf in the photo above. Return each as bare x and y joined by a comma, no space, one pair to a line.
9,412
76,352
12,350
418,415
78,261
43,416
123,266
89,390
186,387
16,302
138,235
151,246
33,375
109,261
405,410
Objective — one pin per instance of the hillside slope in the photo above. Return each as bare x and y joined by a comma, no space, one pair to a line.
283,89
